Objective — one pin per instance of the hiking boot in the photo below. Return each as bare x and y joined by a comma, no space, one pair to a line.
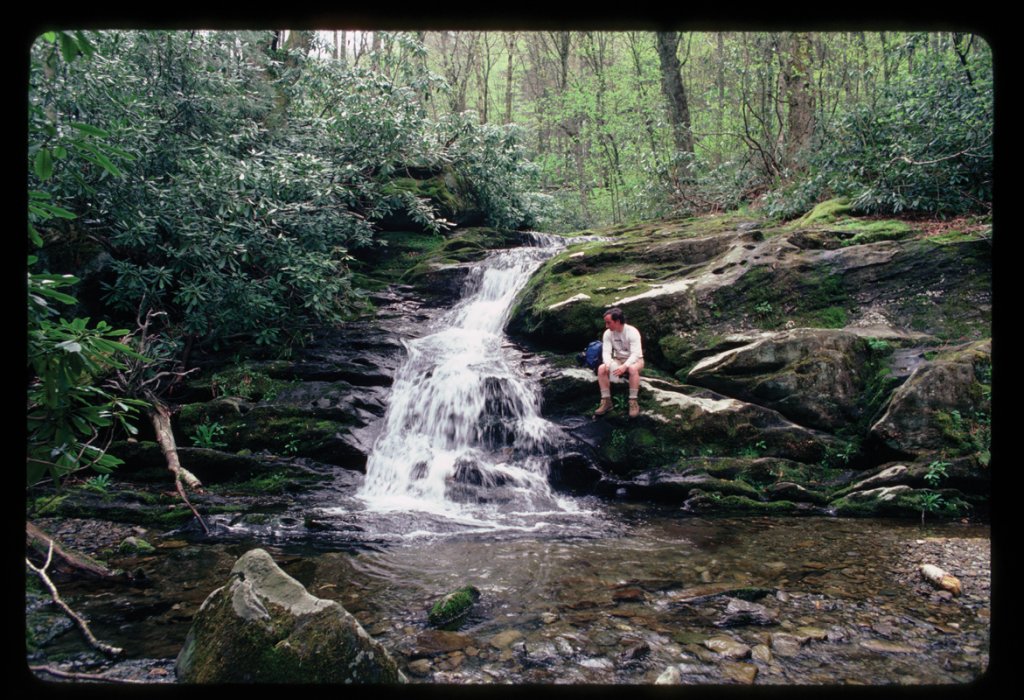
605,407
634,408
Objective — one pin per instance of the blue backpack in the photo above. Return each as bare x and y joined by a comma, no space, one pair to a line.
591,357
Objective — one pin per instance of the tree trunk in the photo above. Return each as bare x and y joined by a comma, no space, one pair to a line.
799,88
563,42
674,91
510,43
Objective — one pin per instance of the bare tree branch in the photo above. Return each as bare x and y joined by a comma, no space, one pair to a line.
55,595
965,152
78,676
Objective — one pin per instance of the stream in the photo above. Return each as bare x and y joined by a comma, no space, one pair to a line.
643,591
573,589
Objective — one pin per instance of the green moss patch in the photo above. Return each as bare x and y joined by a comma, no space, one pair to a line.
859,231
823,213
452,610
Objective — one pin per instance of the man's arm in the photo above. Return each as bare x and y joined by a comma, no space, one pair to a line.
606,348
636,351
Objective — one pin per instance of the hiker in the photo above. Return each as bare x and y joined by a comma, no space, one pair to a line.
622,356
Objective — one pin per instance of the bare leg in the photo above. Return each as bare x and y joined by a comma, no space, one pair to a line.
634,378
604,382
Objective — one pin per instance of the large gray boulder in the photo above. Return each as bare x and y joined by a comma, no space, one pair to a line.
264,627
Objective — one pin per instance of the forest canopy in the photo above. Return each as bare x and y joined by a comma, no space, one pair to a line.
222,181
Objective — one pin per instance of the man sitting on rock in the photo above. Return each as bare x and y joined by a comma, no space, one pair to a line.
623,355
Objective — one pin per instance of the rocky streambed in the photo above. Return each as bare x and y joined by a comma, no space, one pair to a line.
648,597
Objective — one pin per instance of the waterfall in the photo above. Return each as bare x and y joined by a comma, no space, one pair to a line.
463,434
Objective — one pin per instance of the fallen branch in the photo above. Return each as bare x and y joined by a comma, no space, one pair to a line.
78,676
161,418
145,378
82,625
45,544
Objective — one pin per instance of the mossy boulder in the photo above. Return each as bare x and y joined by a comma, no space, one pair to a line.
451,611
944,406
439,275
262,626
444,190
902,501
135,546
675,418
712,502
670,487
651,272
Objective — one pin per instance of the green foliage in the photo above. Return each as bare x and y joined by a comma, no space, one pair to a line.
275,482
208,435
831,317
764,310
970,434
99,483
492,161
879,346
72,415
838,456
924,145
248,175
937,471
754,451
930,502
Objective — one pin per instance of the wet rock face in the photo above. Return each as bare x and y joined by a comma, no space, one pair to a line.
931,411
812,376
264,627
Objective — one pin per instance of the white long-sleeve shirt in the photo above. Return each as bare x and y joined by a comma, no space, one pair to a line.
625,347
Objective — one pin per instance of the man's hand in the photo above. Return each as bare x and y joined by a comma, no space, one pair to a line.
620,370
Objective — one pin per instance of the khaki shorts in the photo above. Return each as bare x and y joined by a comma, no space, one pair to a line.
625,377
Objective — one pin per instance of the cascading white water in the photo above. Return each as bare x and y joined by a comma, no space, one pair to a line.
463,434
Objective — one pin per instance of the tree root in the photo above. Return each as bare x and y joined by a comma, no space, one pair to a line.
78,620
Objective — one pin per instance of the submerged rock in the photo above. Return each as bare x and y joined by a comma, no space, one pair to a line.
264,627
741,612
728,647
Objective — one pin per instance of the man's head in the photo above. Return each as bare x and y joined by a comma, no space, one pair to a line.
614,319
